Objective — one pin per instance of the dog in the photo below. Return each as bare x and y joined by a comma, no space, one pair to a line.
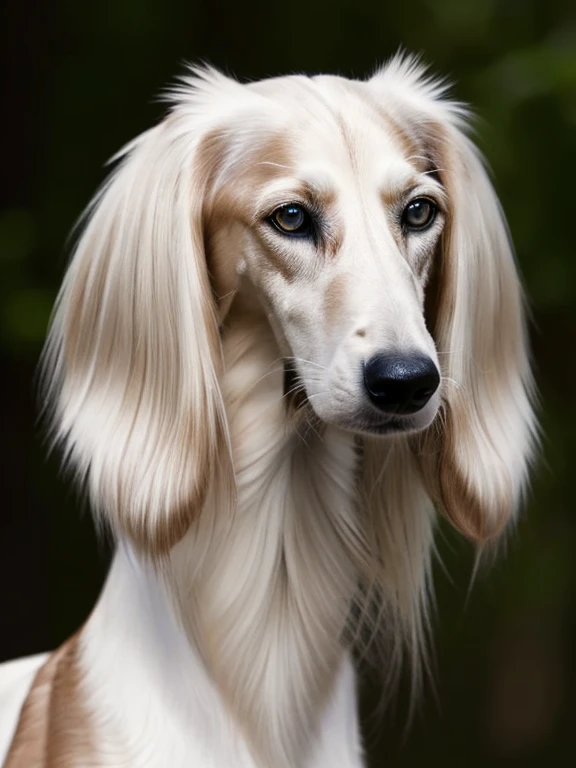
292,333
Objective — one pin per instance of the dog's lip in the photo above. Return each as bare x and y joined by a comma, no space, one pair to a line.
364,423
393,424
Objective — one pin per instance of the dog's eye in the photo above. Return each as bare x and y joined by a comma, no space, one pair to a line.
419,214
292,219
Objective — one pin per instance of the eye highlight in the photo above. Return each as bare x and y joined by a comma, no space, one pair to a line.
418,214
292,219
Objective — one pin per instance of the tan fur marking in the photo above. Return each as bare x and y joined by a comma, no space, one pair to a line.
54,730
234,201
333,241
454,498
334,298
349,141
28,748
420,142
404,138
407,140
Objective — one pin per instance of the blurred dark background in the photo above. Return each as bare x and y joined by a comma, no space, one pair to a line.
78,81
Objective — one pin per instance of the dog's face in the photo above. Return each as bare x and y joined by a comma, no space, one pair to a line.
362,217
336,221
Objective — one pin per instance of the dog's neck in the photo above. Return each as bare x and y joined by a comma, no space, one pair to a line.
262,599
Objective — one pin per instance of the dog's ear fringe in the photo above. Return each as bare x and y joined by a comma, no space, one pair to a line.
129,374
472,464
475,457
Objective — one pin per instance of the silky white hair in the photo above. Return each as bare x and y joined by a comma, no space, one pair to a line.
163,368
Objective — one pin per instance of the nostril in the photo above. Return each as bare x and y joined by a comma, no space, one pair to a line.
400,384
424,394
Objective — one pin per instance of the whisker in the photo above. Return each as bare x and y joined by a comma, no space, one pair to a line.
418,157
301,436
426,160
311,426
270,372
309,362
453,382
276,165
226,295
434,170
294,391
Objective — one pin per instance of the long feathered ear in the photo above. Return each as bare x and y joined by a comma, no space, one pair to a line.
474,458
133,355
472,462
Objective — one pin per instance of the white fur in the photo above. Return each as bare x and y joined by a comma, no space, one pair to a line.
172,713
258,541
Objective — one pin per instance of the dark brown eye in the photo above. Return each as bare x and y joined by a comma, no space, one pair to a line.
419,214
292,219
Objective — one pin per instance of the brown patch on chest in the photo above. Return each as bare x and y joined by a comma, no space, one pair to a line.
54,729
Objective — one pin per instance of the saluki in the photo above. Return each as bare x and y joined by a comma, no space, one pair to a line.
292,333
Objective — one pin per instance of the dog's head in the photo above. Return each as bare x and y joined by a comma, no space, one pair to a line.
361,215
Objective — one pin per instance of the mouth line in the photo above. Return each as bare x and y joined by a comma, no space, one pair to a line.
391,426
373,423
394,425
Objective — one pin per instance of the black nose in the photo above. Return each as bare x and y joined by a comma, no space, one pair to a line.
400,384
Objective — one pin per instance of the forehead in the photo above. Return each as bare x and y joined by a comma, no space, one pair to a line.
335,130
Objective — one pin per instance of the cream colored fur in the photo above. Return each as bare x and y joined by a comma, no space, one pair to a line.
262,535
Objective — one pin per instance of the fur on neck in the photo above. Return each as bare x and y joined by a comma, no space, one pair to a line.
268,595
